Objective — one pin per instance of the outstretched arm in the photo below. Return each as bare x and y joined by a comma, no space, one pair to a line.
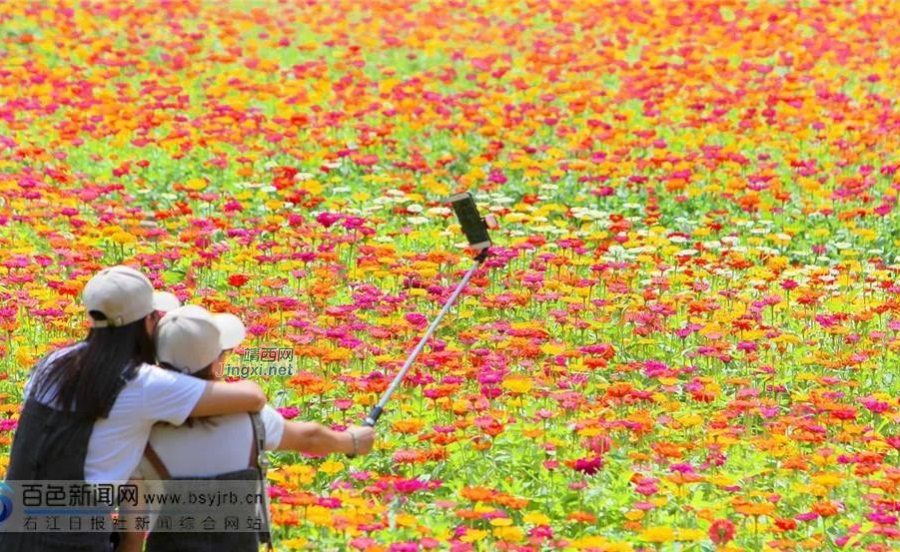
314,438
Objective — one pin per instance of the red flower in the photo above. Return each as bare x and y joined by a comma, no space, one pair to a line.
238,280
786,524
721,531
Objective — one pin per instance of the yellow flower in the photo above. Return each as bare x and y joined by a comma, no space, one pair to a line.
552,349
690,535
319,515
518,385
331,467
593,542
195,184
658,534
312,186
689,420
827,479
536,518
511,534
405,520
473,535
295,544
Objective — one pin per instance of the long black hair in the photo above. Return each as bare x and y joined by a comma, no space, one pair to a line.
86,379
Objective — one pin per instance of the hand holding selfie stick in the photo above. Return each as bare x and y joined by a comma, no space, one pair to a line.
476,230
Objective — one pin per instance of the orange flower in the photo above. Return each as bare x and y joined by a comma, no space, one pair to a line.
826,508
477,494
582,517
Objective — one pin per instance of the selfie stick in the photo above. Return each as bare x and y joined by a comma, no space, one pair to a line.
464,206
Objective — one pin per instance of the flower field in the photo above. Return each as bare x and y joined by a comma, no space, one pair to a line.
686,336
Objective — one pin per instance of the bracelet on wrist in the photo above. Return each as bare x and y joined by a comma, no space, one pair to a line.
355,444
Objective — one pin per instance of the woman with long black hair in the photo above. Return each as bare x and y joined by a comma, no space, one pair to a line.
89,407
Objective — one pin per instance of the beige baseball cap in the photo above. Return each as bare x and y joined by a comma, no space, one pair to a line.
190,338
123,295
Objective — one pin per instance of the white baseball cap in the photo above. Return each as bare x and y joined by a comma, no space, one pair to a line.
190,338
123,295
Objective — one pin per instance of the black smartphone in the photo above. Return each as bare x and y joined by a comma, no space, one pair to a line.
473,225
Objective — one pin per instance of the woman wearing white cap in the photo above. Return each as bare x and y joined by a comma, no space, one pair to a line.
89,408
193,341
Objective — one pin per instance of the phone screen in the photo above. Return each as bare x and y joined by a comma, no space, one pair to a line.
473,226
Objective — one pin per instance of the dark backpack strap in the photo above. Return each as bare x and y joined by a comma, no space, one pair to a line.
156,462
260,461
254,448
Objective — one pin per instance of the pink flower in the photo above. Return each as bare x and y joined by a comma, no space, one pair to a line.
588,466
289,412
362,543
327,219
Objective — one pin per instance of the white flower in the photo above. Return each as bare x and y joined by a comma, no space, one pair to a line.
414,208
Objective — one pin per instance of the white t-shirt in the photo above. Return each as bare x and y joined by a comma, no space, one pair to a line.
117,441
205,449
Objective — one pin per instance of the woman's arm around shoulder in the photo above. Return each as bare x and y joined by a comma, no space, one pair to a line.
229,398
172,397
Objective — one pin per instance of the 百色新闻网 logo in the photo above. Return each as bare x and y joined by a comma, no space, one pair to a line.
6,501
